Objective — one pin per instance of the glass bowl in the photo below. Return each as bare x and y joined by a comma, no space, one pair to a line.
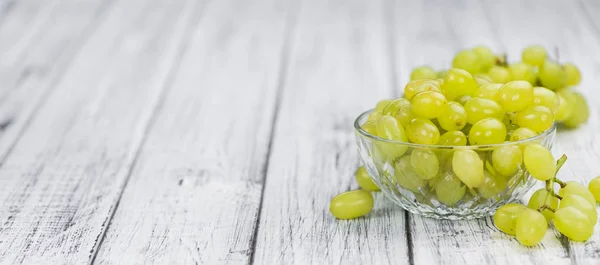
443,196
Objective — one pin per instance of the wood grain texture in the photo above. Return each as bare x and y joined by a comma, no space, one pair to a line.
339,66
194,194
62,179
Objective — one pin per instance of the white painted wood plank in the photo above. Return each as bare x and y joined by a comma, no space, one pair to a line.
339,67
62,180
194,194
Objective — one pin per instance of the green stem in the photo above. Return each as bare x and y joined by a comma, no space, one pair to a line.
561,183
546,207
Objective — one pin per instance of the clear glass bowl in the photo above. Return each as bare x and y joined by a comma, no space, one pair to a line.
388,163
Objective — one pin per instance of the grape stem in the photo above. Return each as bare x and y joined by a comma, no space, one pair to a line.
550,184
560,182
546,207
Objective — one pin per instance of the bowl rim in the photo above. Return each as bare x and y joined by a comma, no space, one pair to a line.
358,129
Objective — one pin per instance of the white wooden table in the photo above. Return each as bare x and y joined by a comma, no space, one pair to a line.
217,131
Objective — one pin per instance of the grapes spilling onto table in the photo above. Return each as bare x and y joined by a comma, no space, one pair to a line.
483,100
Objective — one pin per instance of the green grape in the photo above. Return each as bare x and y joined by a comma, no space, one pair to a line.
507,160
458,82
468,167
395,105
487,131
581,111
373,116
593,187
449,189
482,79
488,91
530,227
351,204
405,115
574,200
453,117
382,104
515,95
522,134
573,223
456,138
389,128
370,127
539,162
440,80
545,97
480,108
541,197
523,72
423,72
564,110
574,187
552,76
416,86
486,57
468,61
499,74
428,104
506,216
364,180
534,55
573,74
442,74
537,118
462,100
423,131
492,185
406,175
425,163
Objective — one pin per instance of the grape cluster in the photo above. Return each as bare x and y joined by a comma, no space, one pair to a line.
572,211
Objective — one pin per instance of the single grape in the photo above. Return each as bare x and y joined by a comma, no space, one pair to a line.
487,131
453,117
539,162
594,188
534,55
515,96
537,118
522,134
573,223
573,74
492,185
373,116
574,187
416,86
541,197
530,227
423,72
442,74
370,127
545,97
449,189
428,104
456,138
389,128
468,167
564,110
499,74
423,131
486,57
364,180
523,72
574,200
468,61
425,163
395,105
457,83
488,91
506,216
406,175
552,76
382,104
507,160
480,108
405,115
581,111
351,204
